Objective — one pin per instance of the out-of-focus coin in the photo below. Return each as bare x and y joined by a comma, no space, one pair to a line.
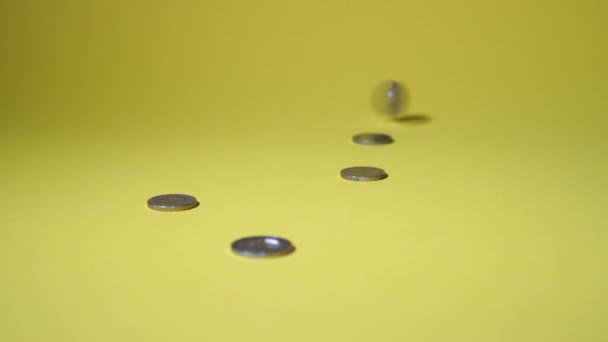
172,202
372,139
262,246
389,98
363,174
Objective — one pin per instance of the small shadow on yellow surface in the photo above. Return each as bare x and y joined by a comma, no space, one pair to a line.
417,119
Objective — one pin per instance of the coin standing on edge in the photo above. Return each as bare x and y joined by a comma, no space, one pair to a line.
372,139
172,202
363,174
262,246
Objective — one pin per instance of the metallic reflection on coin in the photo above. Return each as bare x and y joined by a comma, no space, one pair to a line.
363,174
262,246
172,202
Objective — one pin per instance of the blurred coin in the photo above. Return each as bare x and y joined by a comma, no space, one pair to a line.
372,139
363,174
172,202
389,98
262,246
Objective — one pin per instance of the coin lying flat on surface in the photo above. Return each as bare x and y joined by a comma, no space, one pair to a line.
172,202
389,98
363,174
372,139
262,246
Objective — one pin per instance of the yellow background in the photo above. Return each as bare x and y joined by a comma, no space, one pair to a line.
491,226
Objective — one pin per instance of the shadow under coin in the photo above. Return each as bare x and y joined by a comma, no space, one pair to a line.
414,119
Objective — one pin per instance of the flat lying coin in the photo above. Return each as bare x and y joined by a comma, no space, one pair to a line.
172,202
363,174
372,139
388,98
262,246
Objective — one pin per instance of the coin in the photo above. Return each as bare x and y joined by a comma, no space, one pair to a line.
172,202
363,174
262,246
372,139
388,98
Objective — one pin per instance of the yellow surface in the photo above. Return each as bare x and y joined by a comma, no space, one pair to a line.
491,227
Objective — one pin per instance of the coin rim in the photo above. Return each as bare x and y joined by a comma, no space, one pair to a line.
290,247
176,208
363,178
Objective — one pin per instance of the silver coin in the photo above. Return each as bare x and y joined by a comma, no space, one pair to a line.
172,202
372,139
262,246
388,98
363,174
